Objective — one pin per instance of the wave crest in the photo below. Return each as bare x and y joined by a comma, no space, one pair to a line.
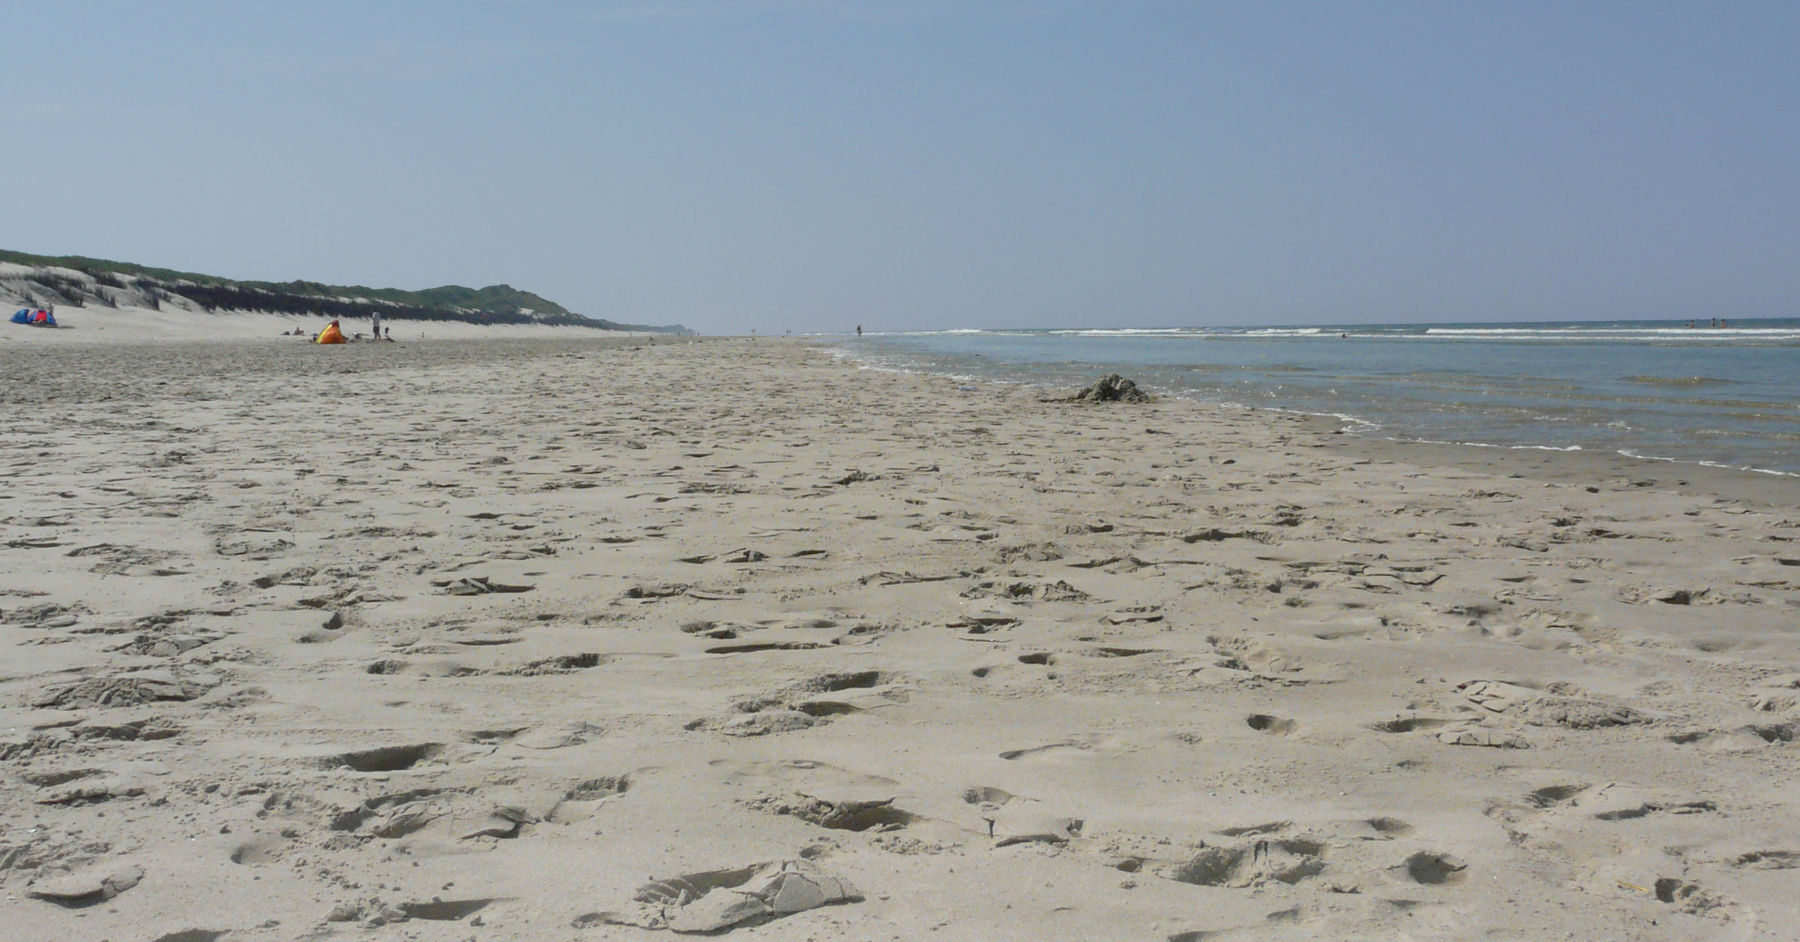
1682,382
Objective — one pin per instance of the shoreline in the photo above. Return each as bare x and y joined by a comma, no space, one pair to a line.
1740,482
1633,398
380,645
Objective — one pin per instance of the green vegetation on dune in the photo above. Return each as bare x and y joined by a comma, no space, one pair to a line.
95,266
494,304
492,297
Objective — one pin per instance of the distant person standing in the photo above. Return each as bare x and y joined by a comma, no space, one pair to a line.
859,330
377,318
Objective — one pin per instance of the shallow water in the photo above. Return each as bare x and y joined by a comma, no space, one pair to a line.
1652,389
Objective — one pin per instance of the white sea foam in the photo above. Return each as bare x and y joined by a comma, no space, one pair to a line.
1282,332
1642,334
1628,453
1126,332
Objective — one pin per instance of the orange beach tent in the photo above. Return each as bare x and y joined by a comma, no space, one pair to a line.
331,334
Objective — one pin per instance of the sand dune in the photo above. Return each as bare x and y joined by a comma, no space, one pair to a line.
611,639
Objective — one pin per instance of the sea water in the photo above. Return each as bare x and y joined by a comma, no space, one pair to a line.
1723,395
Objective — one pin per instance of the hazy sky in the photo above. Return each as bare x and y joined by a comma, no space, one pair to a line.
814,164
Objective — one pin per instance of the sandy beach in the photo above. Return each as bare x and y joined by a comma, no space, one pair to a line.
90,325
612,638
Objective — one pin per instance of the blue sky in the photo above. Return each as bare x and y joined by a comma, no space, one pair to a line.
815,164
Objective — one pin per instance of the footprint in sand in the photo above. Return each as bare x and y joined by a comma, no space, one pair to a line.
169,645
716,901
1747,738
717,631
1767,860
258,849
841,812
655,591
1546,708
560,664
805,704
1256,830
825,795
1388,828
546,738
127,560
384,758
1025,592
130,689
327,631
478,585
193,935
486,640
585,798
1286,860
983,623
1433,869
44,615
1114,651
1552,795
1408,724
89,789
757,647
1035,752
1687,896
494,737
1270,724
1011,819
87,887
440,667
446,910
453,814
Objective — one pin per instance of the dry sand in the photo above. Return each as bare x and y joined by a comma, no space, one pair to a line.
475,640
177,324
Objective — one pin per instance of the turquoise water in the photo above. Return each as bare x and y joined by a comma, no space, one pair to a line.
1727,395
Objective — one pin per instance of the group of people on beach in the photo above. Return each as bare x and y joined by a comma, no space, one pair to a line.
41,317
334,333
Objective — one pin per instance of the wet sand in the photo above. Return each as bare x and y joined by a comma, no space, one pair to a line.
477,639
